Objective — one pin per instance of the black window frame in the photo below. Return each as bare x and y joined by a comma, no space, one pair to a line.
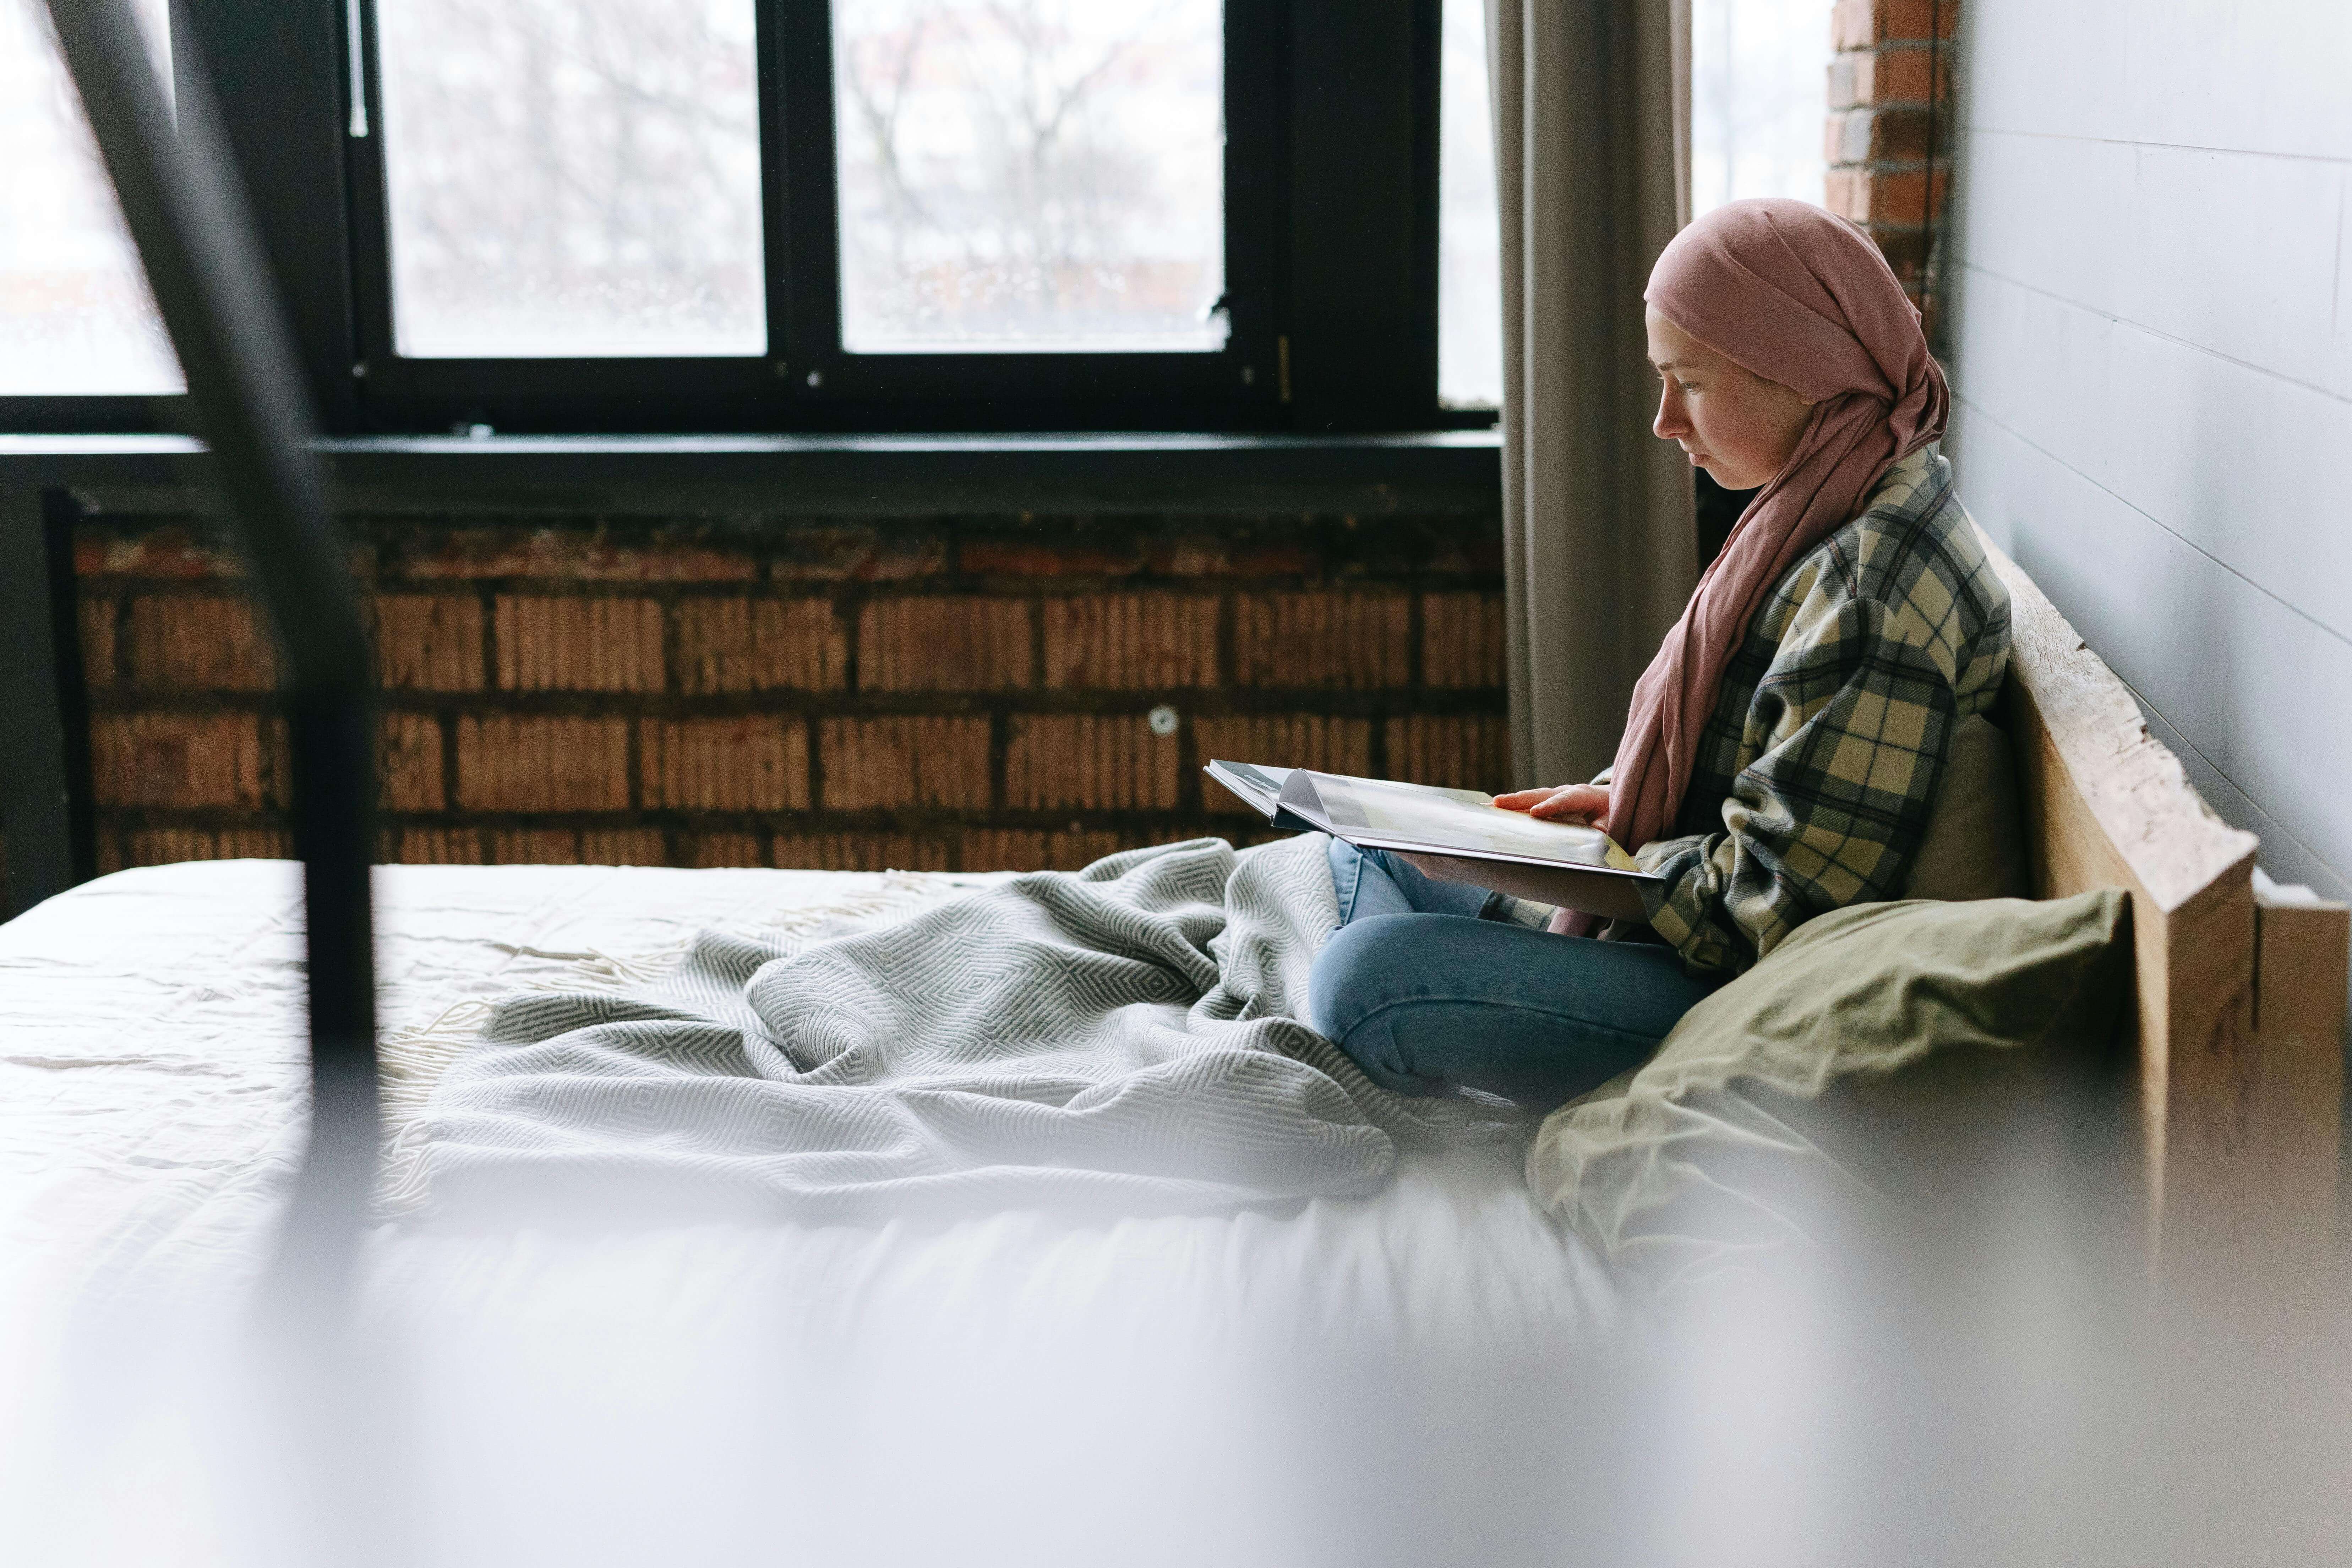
1331,255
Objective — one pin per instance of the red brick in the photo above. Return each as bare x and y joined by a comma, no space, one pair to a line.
510,763
806,554
901,761
437,846
1045,558
1467,751
534,847
759,645
578,555
729,849
1100,763
97,618
164,846
623,846
1358,641
410,763
1905,250
1001,849
1862,78
1126,642
1281,740
862,852
429,642
1209,555
1870,196
165,552
1462,639
1879,135
758,763
196,642
944,645
579,644
1860,24
187,760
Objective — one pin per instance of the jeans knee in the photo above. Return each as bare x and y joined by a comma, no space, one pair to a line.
1335,986
1354,977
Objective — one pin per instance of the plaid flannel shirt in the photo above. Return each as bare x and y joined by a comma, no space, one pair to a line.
1817,770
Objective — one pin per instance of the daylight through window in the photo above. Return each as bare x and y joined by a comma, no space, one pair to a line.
76,318
1033,175
1758,72
1469,242
572,177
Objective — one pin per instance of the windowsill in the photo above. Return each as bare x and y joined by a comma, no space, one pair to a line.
773,475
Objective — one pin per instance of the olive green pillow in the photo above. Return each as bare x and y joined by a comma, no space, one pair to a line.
1975,847
1880,1063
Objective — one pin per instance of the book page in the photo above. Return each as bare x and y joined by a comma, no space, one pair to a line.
1460,820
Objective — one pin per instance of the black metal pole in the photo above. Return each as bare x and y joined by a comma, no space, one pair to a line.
187,213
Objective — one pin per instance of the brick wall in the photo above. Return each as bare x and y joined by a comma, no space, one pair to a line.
1890,132
970,694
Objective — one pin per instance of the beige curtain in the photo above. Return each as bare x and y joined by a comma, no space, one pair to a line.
1591,139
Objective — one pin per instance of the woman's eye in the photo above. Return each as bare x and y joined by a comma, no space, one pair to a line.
1688,385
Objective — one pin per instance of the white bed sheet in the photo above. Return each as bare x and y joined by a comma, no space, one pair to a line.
150,1097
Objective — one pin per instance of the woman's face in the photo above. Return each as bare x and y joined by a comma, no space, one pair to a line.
1741,429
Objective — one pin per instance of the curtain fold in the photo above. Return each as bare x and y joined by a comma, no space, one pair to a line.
1591,145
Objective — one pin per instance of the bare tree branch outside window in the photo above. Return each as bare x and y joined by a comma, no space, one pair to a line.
574,177
1030,174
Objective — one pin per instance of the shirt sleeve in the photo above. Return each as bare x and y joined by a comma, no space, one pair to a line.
1850,726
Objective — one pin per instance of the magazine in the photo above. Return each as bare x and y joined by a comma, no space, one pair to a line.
1458,833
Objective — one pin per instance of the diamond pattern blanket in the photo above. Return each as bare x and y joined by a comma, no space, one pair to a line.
1123,1037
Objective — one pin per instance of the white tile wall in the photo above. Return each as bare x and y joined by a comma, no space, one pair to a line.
2266,76
2152,333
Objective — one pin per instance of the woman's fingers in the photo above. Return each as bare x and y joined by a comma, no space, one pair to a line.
1558,802
1584,801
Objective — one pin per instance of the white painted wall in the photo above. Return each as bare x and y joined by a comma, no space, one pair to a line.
2152,355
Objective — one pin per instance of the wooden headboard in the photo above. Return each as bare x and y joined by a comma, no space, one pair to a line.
2241,994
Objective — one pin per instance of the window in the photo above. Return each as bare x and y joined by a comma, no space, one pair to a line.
76,318
1469,238
571,181
1757,96
1047,175
858,214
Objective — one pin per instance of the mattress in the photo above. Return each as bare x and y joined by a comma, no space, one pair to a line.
152,1094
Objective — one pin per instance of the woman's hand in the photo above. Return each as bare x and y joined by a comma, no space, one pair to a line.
1586,803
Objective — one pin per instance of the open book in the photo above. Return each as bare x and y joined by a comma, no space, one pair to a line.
1466,835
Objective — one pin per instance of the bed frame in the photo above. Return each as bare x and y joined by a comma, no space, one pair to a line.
2239,1000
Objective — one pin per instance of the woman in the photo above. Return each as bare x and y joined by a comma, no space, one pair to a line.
1784,746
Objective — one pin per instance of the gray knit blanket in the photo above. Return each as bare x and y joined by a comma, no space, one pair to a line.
1124,1037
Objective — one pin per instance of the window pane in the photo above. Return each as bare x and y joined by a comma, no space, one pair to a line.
1039,175
1759,99
1469,232
572,177
76,318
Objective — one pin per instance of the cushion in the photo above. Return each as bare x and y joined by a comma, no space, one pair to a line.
1975,847
1888,1062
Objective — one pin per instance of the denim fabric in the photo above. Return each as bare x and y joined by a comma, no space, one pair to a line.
1429,999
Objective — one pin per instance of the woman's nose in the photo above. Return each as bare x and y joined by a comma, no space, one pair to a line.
1670,422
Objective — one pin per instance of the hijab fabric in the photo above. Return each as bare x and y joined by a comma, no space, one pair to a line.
1797,296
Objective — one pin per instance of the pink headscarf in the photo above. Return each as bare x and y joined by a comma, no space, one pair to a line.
1804,299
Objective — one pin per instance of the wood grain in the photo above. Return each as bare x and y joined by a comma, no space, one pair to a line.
2301,948
2238,1130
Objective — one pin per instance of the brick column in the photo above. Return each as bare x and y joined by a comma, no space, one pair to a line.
1890,132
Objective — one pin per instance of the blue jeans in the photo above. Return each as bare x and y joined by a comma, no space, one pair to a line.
1428,998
